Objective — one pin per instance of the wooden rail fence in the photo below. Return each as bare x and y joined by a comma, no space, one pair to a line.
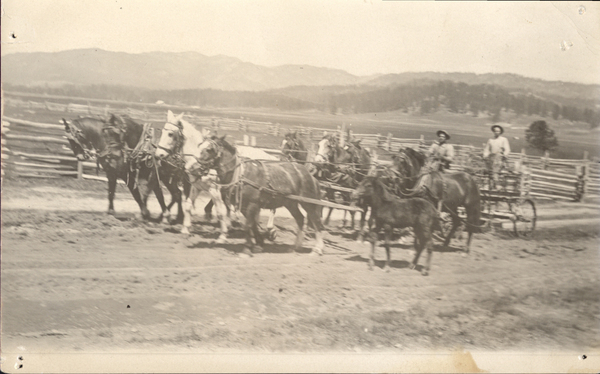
29,148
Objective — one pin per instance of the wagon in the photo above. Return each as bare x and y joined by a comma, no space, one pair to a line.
507,200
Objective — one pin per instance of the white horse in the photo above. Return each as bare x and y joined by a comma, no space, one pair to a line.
181,138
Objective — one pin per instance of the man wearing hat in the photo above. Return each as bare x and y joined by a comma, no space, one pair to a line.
498,144
441,152
496,147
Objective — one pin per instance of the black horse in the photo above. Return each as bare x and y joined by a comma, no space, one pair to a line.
120,146
293,148
392,212
448,190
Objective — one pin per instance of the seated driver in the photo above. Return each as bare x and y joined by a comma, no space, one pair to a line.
441,153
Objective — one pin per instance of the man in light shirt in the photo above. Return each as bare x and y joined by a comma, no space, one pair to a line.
496,147
440,152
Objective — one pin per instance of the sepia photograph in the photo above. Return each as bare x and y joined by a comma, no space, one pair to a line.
300,186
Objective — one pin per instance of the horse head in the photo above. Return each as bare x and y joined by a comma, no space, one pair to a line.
171,139
85,136
216,153
293,148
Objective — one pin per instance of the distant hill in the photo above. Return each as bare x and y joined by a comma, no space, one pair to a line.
159,70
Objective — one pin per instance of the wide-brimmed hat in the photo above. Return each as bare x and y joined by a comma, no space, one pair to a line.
443,132
498,126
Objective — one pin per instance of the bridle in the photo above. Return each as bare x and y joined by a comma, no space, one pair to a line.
179,140
75,135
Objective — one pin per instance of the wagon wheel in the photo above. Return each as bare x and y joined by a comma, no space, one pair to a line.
525,217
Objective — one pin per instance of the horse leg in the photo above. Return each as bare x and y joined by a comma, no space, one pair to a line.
135,192
153,180
112,186
314,220
326,222
292,207
429,246
251,216
271,231
388,238
260,242
455,224
361,227
187,209
373,238
215,195
175,199
419,245
208,210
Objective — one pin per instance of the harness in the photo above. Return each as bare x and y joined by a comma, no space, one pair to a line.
75,135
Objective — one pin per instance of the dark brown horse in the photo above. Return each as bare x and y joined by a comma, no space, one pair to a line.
448,190
392,212
253,185
293,148
112,142
352,163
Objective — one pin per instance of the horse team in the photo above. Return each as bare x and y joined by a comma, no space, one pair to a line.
405,195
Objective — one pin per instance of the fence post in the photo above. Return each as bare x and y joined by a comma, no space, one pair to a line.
342,134
277,129
246,139
253,141
545,160
389,142
585,175
379,140
79,169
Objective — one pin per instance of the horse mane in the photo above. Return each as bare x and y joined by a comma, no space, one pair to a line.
420,157
231,148
191,133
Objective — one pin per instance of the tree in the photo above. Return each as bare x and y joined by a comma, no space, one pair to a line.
540,136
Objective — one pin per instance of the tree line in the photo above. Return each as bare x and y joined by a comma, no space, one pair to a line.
419,96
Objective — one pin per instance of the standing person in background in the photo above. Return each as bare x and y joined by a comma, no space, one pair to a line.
495,153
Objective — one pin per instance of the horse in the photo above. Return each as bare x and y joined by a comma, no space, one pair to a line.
391,212
352,163
253,185
110,142
448,190
180,140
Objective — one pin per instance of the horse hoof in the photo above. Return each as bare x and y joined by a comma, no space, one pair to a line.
221,240
386,269
257,249
111,212
316,252
424,273
208,217
246,253
412,266
185,231
464,254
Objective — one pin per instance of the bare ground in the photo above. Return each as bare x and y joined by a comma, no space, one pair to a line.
75,279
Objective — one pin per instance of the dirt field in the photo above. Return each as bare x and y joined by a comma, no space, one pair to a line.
77,280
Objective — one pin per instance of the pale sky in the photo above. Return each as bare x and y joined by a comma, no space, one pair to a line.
548,40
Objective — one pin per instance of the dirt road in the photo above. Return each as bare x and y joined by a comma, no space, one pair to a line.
75,280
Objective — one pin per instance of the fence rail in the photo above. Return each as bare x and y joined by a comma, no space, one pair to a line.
41,145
